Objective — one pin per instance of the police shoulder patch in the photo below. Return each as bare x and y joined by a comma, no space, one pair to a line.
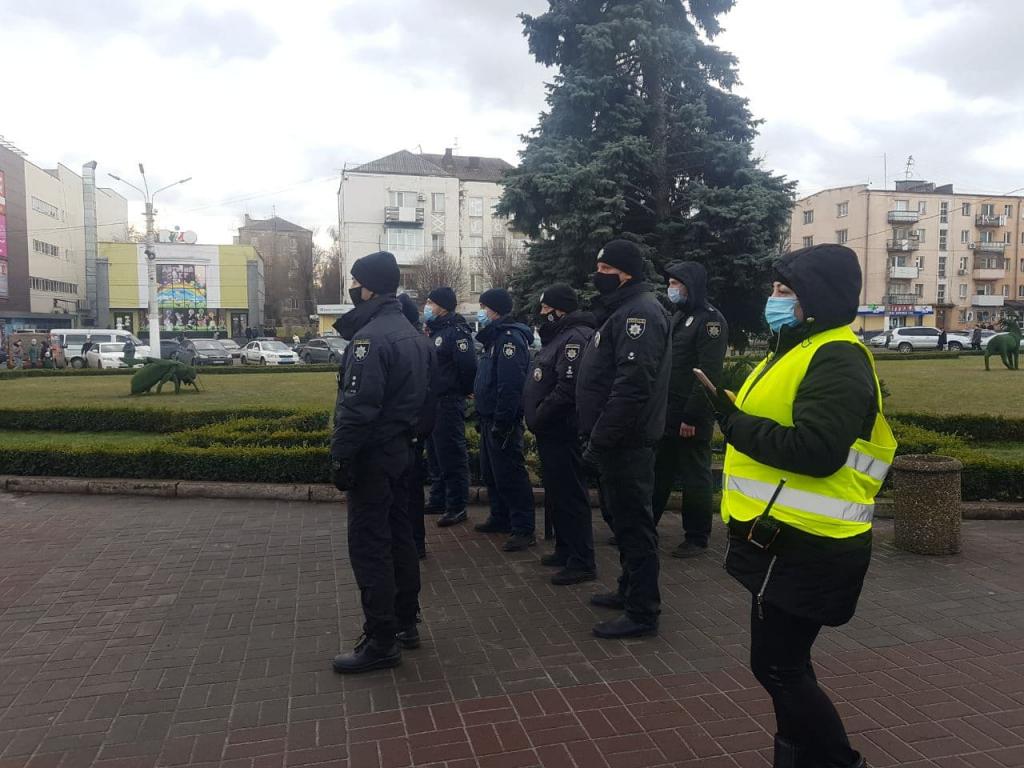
714,329
538,374
438,341
635,327
462,345
360,349
509,349
572,351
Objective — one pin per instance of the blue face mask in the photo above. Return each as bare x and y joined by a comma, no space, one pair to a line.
674,294
428,313
780,313
482,318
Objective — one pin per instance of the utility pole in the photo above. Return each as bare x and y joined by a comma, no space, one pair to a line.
150,251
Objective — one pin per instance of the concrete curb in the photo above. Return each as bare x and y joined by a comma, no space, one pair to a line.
186,489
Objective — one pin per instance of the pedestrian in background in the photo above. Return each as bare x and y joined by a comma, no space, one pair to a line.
498,393
808,449
33,354
621,396
549,400
382,385
18,354
699,339
447,453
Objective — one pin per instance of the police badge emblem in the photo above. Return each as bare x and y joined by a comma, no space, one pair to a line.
714,329
360,349
572,351
438,341
635,327
509,350
538,374
463,345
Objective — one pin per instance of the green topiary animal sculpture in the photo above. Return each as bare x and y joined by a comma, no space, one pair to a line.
1006,345
156,373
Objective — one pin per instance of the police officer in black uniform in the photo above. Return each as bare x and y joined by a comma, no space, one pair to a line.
382,385
621,396
416,474
699,339
549,401
456,359
498,393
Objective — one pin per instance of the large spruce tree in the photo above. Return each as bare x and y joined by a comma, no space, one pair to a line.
643,138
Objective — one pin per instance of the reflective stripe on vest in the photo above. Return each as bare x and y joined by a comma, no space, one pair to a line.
790,497
869,465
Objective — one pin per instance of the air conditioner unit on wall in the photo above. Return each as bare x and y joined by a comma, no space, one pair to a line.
970,246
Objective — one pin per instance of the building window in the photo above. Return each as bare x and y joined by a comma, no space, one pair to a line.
944,212
1006,237
437,202
45,248
43,207
808,241
965,236
963,264
965,209
919,234
403,199
940,295
476,226
809,217
476,245
1006,290
498,244
842,235
963,290
943,239
988,209
437,242
476,283
475,206
1020,291
404,239
902,205
407,278
986,236
291,303
942,266
53,286
843,209
919,289
1008,210
922,207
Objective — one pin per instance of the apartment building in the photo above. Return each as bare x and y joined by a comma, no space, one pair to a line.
43,242
930,256
287,251
415,204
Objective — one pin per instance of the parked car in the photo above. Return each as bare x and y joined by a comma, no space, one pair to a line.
880,340
168,349
106,355
957,340
906,340
268,353
203,352
232,347
326,349
72,339
991,335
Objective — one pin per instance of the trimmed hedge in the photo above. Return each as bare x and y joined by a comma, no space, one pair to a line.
204,370
299,431
93,419
980,428
892,355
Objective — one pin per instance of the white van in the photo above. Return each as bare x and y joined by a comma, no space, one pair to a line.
72,339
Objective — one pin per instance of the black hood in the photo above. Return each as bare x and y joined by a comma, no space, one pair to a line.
827,281
695,278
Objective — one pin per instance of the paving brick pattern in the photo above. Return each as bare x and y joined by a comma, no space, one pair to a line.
139,632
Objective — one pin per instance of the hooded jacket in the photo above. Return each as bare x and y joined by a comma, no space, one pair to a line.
383,379
501,371
699,340
813,577
622,388
549,398
456,355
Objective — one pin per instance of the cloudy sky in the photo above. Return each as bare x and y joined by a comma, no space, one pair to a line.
263,103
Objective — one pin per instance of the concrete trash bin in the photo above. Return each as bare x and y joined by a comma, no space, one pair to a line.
927,509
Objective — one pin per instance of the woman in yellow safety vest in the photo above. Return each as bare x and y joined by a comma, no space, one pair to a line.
808,449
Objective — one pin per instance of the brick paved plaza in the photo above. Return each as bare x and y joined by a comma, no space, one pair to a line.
139,632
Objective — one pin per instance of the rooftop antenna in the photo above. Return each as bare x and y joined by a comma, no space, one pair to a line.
455,145
910,167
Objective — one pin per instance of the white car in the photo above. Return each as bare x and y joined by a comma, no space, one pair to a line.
986,339
268,353
879,340
231,346
106,356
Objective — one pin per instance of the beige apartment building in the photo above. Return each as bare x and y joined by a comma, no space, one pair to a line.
930,256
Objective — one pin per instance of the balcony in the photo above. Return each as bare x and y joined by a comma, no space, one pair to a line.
404,216
984,247
904,244
904,273
988,273
904,299
989,220
987,300
904,217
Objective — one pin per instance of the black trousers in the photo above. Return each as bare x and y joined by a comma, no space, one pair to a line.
414,477
627,482
567,500
503,467
780,658
689,459
449,459
380,540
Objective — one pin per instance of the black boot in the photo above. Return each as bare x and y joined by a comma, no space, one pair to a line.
453,517
369,654
490,525
518,542
622,628
408,638
568,576
612,600
554,560
787,754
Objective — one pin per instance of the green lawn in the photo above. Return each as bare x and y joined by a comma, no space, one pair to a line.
11,439
952,386
299,390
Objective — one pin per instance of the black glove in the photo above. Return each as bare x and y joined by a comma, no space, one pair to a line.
591,460
500,434
341,475
721,404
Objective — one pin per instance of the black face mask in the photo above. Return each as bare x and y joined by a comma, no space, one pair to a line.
549,326
356,295
605,283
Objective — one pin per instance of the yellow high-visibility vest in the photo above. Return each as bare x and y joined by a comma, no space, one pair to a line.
838,506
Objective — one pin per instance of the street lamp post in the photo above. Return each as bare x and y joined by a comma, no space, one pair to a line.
150,251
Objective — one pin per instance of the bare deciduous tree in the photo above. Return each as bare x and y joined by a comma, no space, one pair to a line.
439,268
327,268
500,264
131,235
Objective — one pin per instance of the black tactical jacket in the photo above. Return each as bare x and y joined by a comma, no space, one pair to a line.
549,398
456,355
